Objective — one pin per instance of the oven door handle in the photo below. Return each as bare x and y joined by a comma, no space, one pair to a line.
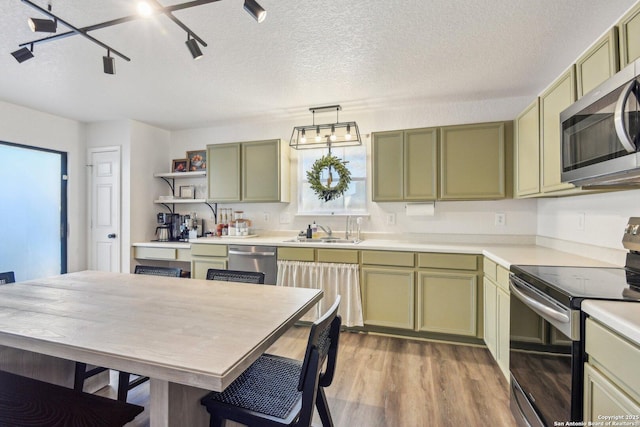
537,302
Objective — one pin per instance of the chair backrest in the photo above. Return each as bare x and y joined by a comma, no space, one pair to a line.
7,277
322,345
236,276
158,271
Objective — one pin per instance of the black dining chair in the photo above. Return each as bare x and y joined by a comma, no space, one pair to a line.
278,391
125,383
236,276
7,277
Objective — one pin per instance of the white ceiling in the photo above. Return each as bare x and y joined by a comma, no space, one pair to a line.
358,53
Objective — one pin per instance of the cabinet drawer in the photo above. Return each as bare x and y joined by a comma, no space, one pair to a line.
448,261
338,255
296,254
209,250
155,253
503,278
490,269
615,354
183,255
398,259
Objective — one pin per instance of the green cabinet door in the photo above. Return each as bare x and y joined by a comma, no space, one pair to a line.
447,303
388,297
420,164
502,344
387,166
598,63
223,172
490,316
527,157
199,266
629,27
527,326
261,171
603,398
552,102
472,162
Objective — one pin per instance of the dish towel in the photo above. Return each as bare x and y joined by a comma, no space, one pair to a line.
334,279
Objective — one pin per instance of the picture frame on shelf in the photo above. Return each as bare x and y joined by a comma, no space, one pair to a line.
187,192
180,165
197,160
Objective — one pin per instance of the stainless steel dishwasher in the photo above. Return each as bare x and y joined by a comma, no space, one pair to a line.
255,258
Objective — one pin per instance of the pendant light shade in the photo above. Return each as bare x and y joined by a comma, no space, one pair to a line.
255,10
192,44
42,25
109,64
22,54
338,134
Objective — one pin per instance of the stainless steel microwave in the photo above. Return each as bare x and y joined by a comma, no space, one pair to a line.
601,133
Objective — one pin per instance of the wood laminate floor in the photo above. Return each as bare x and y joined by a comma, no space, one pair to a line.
384,381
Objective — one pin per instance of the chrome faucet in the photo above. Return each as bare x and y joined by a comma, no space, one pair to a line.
326,230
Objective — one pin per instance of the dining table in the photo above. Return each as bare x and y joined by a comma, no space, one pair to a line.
188,336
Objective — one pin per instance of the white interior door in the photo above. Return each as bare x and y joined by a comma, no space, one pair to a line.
105,209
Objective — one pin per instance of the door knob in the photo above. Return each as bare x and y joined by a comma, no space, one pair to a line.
111,235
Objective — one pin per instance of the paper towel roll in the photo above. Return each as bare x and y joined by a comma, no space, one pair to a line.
420,209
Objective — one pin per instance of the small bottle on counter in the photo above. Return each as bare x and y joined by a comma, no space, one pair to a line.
309,232
314,230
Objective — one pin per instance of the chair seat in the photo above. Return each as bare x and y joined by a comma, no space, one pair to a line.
269,386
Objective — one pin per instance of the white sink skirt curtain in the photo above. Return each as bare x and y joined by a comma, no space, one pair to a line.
334,279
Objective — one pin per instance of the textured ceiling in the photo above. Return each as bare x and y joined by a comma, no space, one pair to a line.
358,53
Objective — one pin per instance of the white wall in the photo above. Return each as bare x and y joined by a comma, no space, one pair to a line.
450,217
605,216
21,125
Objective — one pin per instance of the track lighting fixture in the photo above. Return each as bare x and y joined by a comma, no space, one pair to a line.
22,54
336,134
145,8
255,10
192,44
109,63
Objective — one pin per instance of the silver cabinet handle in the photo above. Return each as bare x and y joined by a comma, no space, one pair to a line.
618,118
536,302
232,252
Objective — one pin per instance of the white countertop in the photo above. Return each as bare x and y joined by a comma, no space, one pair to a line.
622,317
504,255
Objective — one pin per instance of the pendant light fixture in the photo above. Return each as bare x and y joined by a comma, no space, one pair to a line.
146,8
338,134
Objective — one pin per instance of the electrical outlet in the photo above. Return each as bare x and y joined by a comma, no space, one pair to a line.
580,222
266,217
391,219
501,219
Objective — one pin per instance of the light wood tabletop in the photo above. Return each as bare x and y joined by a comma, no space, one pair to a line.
197,333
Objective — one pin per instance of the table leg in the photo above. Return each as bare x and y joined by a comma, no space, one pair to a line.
176,405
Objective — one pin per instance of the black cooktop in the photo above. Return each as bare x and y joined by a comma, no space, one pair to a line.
571,285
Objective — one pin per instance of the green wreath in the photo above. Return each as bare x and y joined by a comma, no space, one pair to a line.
326,192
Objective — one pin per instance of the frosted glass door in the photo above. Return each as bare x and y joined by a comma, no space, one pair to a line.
32,234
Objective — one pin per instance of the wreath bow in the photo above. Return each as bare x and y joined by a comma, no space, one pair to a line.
326,192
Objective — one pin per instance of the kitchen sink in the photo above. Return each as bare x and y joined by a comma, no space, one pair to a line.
327,240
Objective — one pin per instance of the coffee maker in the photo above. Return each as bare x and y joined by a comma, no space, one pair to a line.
168,228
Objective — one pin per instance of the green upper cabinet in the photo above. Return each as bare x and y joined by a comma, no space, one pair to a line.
472,162
552,102
629,27
223,172
255,171
527,151
404,165
598,63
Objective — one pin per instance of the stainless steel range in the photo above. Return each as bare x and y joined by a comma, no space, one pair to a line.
546,352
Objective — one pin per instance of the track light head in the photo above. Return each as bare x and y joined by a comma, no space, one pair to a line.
22,54
109,64
192,44
42,25
255,10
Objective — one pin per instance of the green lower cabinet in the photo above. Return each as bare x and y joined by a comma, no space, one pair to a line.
503,310
491,316
527,326
603,398
199,267
388,297
447,303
